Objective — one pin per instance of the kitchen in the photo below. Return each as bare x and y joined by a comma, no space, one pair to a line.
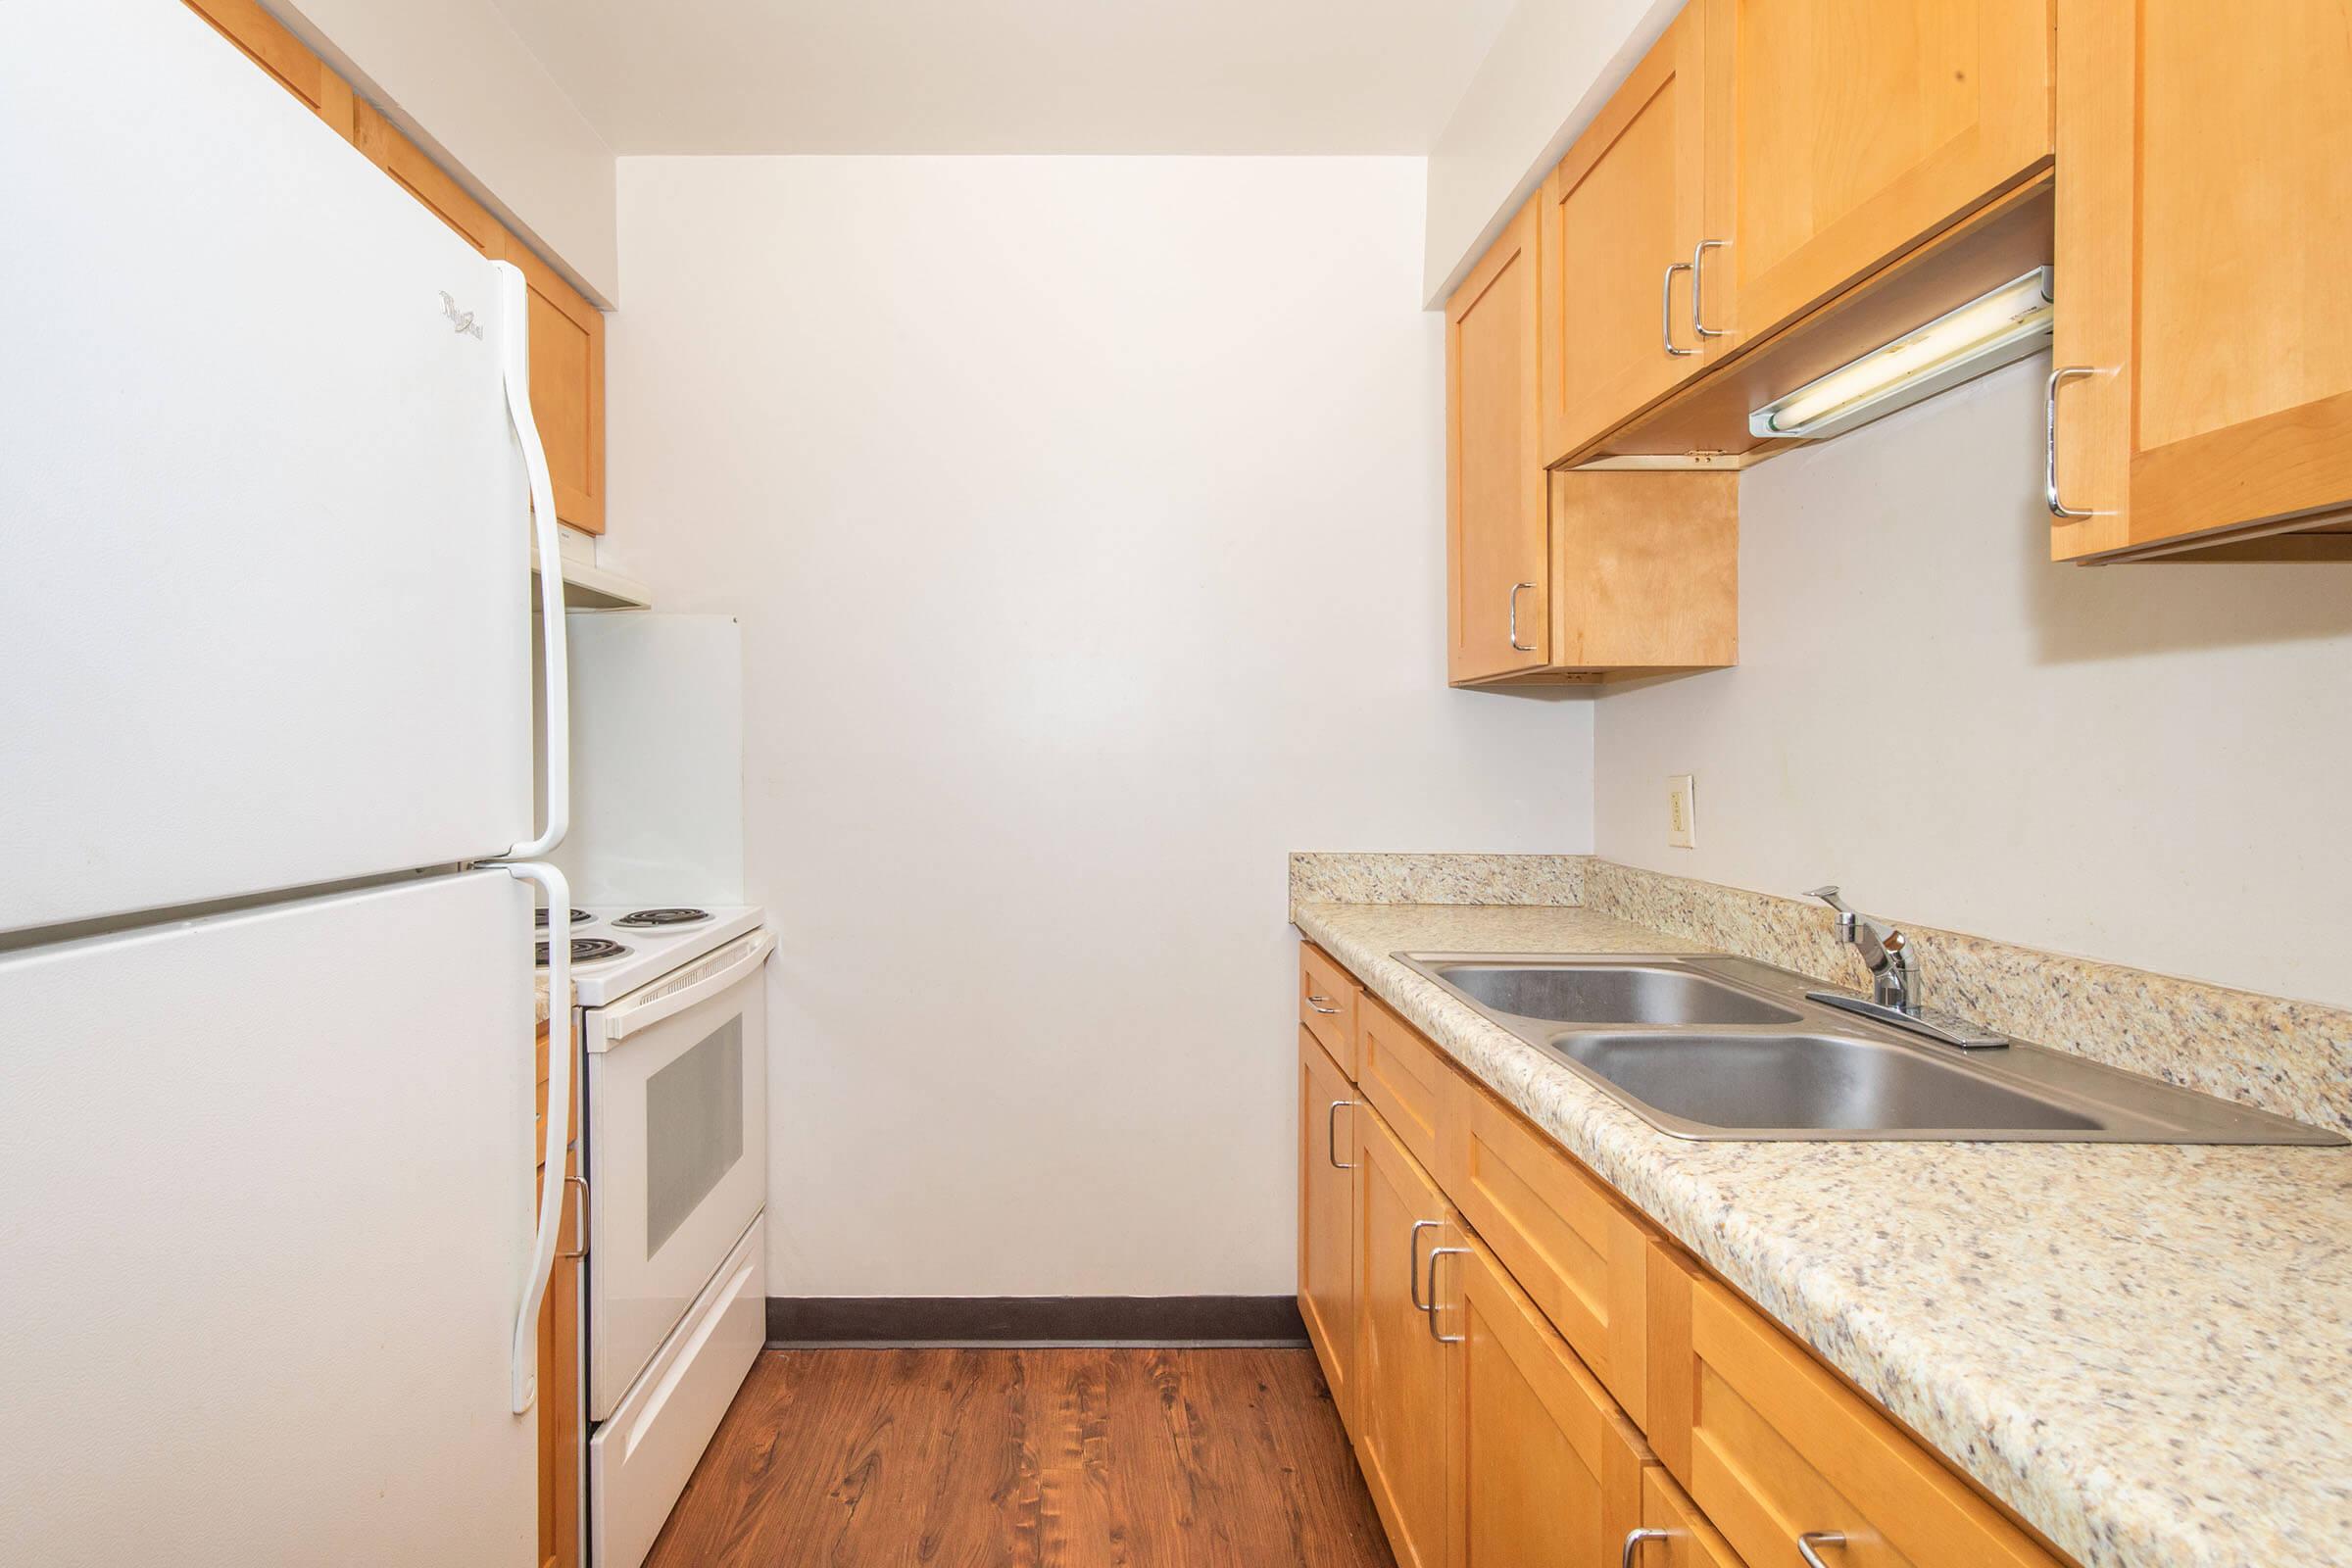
1221,613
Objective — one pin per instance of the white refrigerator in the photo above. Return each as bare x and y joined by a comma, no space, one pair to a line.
270,1252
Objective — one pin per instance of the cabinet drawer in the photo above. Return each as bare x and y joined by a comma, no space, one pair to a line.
1568,1241
1327,1003
1771,1444
1405,1077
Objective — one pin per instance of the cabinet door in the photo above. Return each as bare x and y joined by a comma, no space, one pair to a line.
2203,221
1773,1447
1622,216
1544,1468
1399,1362
1842,133
1494,518
562,1398
568,388
1327,1114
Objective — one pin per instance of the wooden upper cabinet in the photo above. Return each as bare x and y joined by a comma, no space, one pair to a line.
2204,216
1842,132
286,58
568,388
1327,1137
568,332
1496,561
1622,215
434,187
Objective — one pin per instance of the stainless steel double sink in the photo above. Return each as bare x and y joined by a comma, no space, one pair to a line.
1713,1046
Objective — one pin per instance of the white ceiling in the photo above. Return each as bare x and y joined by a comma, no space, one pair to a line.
1013,75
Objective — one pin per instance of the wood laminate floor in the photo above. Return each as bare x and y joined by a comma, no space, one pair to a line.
1033,1458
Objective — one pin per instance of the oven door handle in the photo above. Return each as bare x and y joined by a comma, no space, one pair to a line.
619,1023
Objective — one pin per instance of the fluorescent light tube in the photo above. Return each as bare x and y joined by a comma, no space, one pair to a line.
1989,331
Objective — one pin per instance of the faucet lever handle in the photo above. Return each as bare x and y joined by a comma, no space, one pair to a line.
1827,893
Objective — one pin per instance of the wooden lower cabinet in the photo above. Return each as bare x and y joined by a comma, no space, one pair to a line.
1773,1447
561,1396
1400,1364
1528,1376
1327,1139
1542,1467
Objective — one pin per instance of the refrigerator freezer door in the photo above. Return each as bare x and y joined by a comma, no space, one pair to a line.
266,1201
265,617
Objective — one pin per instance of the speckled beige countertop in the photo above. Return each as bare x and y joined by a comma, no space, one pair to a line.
2147,1351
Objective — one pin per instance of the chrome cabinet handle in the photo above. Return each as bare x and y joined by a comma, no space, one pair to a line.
1517,646
1435,1254
1413,1262
1331,1136
1818,1538
1697,281
579,1219
1633,1543
1666,311
2058,508
1321,1004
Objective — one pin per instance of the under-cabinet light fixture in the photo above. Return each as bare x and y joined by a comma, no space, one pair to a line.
1987,332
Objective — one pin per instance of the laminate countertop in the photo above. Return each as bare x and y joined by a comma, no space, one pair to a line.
2144,1350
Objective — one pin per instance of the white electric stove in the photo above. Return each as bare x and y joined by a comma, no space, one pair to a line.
618,948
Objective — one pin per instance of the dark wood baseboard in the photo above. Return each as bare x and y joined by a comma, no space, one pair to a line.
809,1321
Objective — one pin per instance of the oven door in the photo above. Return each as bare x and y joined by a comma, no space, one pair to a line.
677,1150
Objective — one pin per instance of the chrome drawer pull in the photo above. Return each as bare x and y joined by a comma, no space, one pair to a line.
1413,1262
1666,311
1321,1004
2058,508
1633,1543
1435,1254
1698,276
579,1221
1331,1136
1517,646
1818,1538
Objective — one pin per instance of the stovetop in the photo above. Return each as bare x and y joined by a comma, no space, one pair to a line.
649,949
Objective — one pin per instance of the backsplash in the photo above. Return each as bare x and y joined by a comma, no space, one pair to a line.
2278,1055
1343,879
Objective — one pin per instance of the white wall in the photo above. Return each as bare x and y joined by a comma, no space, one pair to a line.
2140,763
1084,518
457,78
1550,70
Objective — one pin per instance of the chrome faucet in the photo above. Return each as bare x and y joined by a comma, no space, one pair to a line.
1894,981
1886,952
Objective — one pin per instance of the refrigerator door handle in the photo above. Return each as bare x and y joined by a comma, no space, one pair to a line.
562,1053
515,365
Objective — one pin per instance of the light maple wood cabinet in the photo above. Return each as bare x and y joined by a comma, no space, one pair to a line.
1773,1447
561,1398
568,331
1780,186
1542,1467
1496,554
1401,1364
2204,329
1840,136
1534,1374
1623,216
1327,1160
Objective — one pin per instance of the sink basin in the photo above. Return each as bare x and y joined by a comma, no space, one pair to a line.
1710,1045
1610,994
1739,1083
